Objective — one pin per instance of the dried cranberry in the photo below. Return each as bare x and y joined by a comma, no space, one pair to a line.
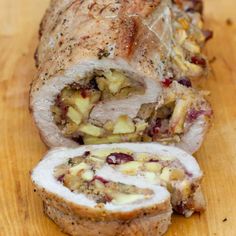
99,178
154,160
107,198
155,129
64,109
58,100
180,208
167,82
185,81
61,178
118,158
189,174
198,61
78,140
87,153
194,114
197,5
84,93
208,34
62,106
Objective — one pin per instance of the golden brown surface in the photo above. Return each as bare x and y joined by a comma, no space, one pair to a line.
21,148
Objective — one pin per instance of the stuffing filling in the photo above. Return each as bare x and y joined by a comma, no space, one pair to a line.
189,38
80,175
72,108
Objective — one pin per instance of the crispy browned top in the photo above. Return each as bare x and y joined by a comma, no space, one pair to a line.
73,31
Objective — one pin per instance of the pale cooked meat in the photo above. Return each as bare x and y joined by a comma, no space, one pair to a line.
111,110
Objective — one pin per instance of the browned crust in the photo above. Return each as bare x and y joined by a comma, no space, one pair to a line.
98,213
127,34
142,8
66,24
74,225
197,202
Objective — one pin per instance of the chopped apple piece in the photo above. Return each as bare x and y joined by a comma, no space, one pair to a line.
146,110
122,150
130,168
75,169
74,115
184,23
178,56
147,138
141,126
169,174
124,125
153,167
178,116
170,97
102,153
167,158
170,187
102,83
96,160
95,96
151,177
70,128
177,174
121,198
186,188
87,175
56,111
115,80
66,95
126,91
99,184
91,130
133,137
108,139
180,36
109,125
194,70
191,46
165,175
142,156
180,63
83,104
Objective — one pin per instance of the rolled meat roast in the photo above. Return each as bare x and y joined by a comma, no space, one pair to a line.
118,189
117,71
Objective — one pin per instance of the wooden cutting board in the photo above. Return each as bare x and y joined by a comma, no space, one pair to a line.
21,148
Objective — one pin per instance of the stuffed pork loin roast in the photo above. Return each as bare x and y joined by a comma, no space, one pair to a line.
106,72
118,189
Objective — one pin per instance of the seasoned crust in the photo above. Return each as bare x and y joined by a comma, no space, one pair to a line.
74,225
65,39
97,214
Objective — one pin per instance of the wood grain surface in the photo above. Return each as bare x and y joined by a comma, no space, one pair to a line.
21,148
